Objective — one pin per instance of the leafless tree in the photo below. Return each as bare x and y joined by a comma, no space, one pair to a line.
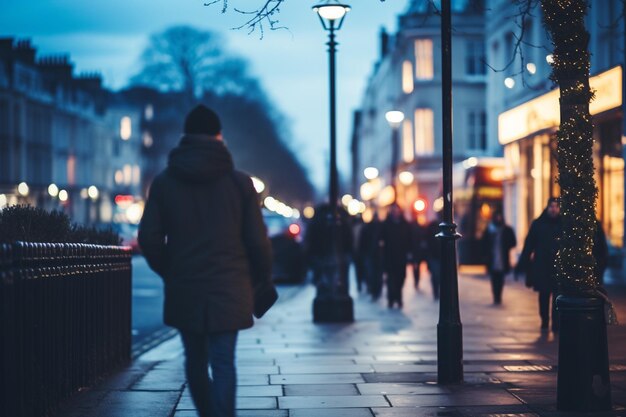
192,61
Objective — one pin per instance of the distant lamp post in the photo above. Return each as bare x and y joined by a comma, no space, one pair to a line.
394,118
449,328
332,302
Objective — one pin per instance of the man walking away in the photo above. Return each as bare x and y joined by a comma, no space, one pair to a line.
497,242
396,237
433,253
203,233
369,244
419,249
537,260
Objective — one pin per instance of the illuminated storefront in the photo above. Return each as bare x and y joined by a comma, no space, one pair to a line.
528,134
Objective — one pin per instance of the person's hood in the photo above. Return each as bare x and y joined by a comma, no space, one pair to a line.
199,159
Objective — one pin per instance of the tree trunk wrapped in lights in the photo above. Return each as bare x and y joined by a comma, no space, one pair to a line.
583,381
564,20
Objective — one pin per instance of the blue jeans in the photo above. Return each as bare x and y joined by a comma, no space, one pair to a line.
213,397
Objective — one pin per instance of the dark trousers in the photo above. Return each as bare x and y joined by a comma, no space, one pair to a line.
374,276
544,309
213,397
497,283
416,273
434,267
395,283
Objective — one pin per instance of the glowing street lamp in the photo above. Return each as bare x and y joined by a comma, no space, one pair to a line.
370,173
22,189
53,190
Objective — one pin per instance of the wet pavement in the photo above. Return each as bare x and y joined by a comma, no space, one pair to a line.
383,364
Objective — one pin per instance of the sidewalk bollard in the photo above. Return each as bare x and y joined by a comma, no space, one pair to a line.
583,374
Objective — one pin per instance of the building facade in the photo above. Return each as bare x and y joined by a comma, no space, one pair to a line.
62,137
407,78
523,111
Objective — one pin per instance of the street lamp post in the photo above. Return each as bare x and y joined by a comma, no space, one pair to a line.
394,118
332,302
449,329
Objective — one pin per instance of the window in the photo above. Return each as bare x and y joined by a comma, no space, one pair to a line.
125,128
407,141
407,77
424,132
424,59
475,57
477,130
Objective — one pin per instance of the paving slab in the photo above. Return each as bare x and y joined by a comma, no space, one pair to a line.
331,412
332,401
322,389
493,397
136,404
316,379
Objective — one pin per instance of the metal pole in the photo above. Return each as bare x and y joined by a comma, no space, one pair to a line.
449,329
333,302
333,134
394,162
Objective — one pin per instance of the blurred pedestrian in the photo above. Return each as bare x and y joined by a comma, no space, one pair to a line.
600,253
537,261
202,231
370,251
322,252
359,270
396,239
433,254
419,249
496,244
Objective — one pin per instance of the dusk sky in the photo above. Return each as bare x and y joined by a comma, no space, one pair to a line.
108,37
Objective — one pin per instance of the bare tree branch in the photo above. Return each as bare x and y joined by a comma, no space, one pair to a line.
265,16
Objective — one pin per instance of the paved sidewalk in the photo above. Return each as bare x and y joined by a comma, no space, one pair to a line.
382,365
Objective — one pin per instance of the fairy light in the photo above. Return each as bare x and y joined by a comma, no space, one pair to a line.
564,20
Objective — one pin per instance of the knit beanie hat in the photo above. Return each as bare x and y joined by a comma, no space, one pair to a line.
202,120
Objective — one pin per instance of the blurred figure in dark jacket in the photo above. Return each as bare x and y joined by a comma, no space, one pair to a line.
359,261
433,253
419,249
203,233
600,252
288,260
537,260
319,246
370,251
496,244
396,239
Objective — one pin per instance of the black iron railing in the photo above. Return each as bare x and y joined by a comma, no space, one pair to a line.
65,321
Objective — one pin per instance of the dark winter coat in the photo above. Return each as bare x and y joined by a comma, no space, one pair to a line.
202,231
318,233
369,247
600,252
396,238
507,242
538,256
419,242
